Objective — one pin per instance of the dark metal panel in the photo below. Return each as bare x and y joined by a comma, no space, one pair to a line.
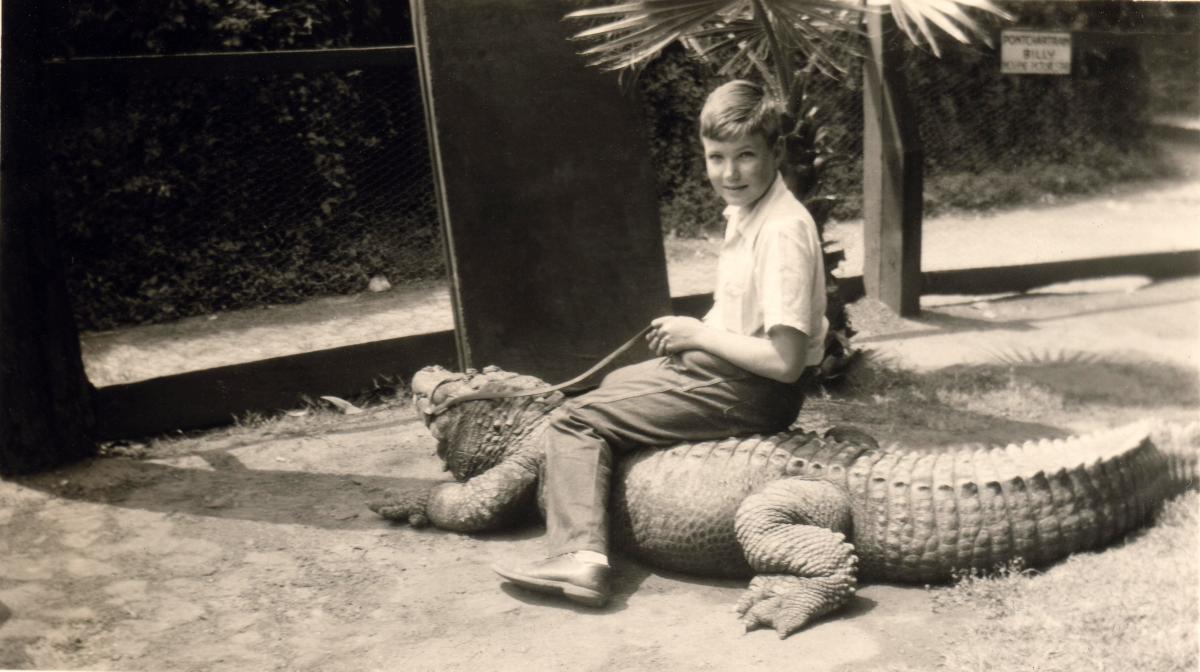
213,397
548,198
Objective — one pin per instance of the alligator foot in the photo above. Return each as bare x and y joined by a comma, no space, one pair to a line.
787,602
409,506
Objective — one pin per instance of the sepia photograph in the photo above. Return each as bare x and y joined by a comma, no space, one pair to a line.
600,335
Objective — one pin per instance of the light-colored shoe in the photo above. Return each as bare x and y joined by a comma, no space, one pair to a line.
583,582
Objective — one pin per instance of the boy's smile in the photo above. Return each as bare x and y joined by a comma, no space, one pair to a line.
741,169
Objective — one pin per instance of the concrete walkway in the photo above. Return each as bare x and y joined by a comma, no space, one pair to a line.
1117,317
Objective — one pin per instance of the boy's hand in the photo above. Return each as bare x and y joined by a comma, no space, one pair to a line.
673,333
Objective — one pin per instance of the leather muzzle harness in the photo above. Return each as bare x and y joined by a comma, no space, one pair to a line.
509,394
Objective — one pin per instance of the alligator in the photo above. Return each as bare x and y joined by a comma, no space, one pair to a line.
805,515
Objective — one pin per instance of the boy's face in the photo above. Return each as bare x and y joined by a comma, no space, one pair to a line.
741,169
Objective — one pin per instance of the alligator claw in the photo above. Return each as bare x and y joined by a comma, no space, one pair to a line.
783,602
404,507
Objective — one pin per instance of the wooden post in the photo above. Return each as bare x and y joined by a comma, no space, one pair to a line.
45,406
892,176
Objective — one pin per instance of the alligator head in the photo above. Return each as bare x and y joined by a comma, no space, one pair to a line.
473,436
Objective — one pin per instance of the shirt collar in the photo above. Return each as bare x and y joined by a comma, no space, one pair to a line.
744,220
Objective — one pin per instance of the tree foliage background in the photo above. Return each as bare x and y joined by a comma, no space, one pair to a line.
187,196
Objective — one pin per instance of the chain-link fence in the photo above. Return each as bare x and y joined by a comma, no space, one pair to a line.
185,196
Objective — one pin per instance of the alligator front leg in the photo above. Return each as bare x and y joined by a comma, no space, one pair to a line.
793,534
491,500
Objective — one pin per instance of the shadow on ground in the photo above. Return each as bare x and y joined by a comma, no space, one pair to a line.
228,490
949,319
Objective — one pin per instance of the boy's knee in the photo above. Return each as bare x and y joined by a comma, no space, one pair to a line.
565,420
568,430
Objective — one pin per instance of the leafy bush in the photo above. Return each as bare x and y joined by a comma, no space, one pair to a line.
124,27
672,92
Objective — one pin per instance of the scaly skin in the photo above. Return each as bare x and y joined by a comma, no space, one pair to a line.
806,515
497,478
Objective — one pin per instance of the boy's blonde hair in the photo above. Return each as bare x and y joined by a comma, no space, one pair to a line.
737,109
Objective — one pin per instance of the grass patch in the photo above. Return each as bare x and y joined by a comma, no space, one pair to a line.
1001,390
1028,384
1131,607
1018,398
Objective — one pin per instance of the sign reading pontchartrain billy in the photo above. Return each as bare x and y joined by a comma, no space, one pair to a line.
1035,52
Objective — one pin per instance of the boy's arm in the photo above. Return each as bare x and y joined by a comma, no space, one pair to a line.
781,357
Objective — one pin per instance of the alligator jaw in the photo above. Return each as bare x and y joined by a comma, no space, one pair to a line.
424,386
427,380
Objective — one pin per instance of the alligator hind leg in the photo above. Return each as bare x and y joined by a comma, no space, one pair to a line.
793,534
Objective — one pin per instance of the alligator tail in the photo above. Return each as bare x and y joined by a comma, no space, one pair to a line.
1180,445
924,517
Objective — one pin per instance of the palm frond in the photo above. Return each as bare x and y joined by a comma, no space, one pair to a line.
823,36
627,35
726,45
639,6
634,15
810,7
635,32
915,16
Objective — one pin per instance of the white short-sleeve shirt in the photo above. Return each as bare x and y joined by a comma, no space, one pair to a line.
771,271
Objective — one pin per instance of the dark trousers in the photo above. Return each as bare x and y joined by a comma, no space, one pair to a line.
689,396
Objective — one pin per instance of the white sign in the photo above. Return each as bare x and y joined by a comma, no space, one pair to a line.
1035,52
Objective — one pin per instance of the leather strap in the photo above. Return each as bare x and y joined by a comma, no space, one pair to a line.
509,394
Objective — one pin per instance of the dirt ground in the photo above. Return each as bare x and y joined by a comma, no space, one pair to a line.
251,548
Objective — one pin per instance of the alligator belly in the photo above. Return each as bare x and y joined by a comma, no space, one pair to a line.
670,511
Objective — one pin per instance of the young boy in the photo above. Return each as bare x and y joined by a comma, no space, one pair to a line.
733,373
